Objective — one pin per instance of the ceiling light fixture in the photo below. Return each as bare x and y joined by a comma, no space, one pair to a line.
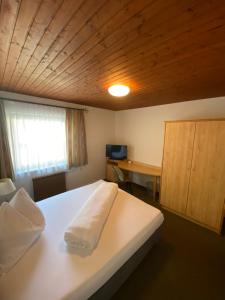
119,90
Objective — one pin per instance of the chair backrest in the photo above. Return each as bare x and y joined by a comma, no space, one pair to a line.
118,173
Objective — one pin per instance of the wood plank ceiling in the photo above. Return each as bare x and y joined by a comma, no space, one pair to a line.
73,50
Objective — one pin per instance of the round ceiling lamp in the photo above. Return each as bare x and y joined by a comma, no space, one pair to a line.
119,90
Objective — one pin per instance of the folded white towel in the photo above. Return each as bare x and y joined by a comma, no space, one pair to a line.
21,223
85,229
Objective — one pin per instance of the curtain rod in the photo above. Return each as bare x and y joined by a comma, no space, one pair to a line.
23,101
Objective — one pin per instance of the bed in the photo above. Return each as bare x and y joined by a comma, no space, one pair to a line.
50,271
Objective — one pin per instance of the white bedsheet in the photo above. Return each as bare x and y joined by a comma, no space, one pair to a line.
49,272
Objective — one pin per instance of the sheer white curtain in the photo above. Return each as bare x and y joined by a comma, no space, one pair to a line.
37,138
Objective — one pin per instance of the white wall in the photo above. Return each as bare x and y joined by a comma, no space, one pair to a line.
143,129
100,130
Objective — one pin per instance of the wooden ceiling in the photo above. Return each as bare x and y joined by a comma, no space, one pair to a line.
73,50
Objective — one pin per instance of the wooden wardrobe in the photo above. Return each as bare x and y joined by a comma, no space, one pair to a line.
193,173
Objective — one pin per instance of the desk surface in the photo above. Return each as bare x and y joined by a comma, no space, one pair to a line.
141,168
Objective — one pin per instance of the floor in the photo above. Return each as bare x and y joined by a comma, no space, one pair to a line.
187,263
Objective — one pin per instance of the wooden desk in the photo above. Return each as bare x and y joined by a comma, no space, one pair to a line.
141,168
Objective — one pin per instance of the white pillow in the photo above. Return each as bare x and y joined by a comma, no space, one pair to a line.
27,207
7,198
21,223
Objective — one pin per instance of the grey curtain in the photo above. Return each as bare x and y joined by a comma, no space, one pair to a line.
76,138
6,166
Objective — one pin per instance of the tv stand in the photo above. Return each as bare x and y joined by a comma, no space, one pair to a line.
114,161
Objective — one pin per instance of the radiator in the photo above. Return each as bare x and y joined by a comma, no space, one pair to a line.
49,185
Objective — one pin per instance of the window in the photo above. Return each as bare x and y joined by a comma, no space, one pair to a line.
37,137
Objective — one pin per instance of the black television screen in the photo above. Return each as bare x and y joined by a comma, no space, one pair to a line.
116,151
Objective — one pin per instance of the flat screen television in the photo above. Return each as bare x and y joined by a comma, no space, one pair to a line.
117,152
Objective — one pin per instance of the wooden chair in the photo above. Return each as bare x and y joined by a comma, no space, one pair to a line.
122,180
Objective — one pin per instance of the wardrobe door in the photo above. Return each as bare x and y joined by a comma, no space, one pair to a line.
207,183
177,156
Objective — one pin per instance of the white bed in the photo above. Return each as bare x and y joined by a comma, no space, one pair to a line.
49,271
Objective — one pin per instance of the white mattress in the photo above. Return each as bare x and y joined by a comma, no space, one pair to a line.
49,272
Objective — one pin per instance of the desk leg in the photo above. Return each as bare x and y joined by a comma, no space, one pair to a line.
159,190
154,187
